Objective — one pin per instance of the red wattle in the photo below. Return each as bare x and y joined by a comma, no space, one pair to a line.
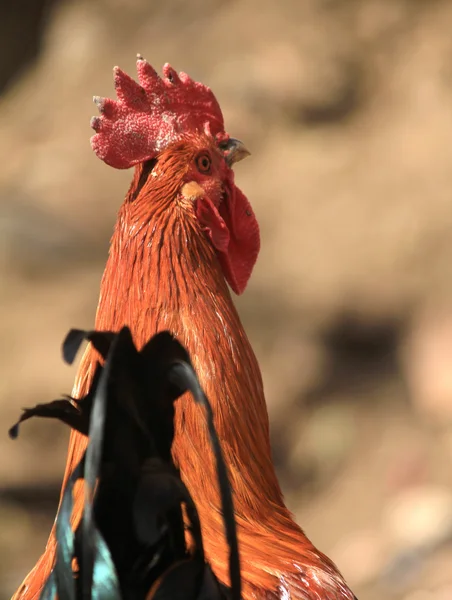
234,232
213,224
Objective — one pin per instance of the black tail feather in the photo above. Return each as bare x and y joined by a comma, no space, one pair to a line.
130,543
184,373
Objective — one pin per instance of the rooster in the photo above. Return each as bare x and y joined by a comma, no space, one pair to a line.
184,232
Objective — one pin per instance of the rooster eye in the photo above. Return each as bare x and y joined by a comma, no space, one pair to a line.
203,163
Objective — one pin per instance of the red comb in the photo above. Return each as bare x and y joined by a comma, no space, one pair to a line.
151,114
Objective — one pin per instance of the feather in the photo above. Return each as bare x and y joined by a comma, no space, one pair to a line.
66,410
130,543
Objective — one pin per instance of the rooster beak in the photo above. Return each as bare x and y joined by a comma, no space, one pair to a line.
233,151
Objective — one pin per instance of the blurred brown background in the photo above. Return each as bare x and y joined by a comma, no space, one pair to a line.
347,109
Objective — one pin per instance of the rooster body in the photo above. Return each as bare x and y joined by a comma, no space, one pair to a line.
183,230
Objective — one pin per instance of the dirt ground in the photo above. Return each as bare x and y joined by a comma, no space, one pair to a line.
347,109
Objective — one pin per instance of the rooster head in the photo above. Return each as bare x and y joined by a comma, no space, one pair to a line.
175,119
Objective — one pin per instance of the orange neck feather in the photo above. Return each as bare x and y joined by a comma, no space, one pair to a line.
166,275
